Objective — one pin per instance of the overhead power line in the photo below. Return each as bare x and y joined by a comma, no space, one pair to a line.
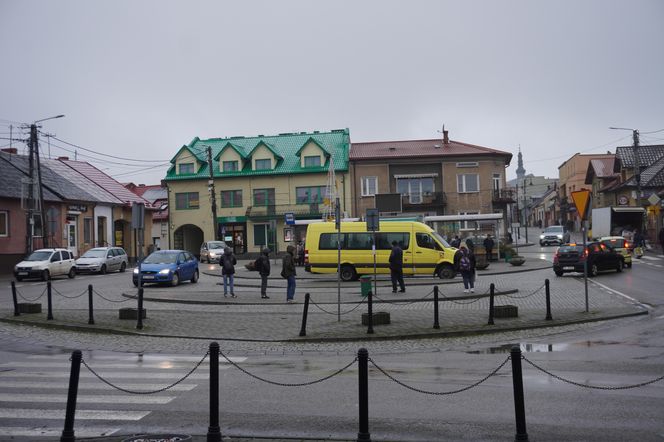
107,155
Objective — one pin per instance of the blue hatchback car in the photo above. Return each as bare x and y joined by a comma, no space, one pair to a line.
167,266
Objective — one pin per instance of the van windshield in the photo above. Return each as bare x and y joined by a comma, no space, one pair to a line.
440,239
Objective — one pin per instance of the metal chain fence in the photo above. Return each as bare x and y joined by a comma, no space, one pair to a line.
283,384
69,297
527,295
454,301
592,387
413,301
111,300
439,393
335,313
30,300
125,390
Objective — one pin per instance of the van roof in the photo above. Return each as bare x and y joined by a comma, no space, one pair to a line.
359,226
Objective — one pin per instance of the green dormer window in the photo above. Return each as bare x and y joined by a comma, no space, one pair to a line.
230,166
185,168
265,164
313,161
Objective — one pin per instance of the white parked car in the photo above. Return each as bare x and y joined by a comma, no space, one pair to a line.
46,263
102,260
211,251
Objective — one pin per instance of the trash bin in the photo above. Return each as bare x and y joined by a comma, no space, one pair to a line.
365,284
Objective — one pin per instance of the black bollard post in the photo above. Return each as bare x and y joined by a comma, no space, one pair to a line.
91,319
49,297
303,329
363,372
370,329
16,312
436,324
548,300
68,431
139,322
519,404
492,290
214,431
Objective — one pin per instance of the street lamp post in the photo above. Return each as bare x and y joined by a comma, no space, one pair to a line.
525,210
34,157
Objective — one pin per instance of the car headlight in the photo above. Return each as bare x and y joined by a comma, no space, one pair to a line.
560,236
136,271
164,272
542,236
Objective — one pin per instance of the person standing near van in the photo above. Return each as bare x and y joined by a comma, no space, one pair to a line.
288,272
227,263
299,253
488,246
396,268
262,266
467,268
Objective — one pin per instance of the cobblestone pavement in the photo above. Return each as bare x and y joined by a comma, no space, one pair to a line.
185,318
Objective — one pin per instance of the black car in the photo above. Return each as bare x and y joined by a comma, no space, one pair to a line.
571,257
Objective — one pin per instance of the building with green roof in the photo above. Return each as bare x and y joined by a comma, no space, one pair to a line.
258,182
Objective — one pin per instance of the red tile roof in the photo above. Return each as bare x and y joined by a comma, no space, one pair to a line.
418,148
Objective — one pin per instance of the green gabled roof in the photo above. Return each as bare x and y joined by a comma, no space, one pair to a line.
284,146
312,140
269,147
197,153
235,147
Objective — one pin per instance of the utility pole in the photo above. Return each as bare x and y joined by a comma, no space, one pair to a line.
30,200
637,167
213,197
525,209
40,193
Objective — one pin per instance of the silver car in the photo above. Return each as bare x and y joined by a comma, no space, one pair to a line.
211,251
102,260
554,235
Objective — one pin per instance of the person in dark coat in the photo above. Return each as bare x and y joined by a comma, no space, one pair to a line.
263,269
456,242
467,268
488,246
227,263
470,244
396,268
288,272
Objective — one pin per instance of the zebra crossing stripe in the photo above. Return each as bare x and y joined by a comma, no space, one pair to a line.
56,432
119,375
106,415
87,399
64,385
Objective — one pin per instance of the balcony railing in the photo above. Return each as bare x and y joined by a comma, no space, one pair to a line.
503,196
423,199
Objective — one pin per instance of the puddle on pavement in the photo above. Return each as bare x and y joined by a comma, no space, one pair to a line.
541,348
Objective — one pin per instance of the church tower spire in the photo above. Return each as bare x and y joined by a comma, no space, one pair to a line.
520,171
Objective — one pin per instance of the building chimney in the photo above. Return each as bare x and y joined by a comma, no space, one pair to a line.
446,139
11,150
63,158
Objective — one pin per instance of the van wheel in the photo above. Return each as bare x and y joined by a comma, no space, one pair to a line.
45,276
348,273
446,271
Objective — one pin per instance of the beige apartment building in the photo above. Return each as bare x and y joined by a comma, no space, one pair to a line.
429,177
265,188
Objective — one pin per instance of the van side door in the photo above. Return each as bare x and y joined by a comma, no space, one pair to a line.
427,253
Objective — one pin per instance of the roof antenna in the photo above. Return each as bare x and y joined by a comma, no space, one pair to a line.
446,139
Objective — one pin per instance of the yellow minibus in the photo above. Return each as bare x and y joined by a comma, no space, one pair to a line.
424,250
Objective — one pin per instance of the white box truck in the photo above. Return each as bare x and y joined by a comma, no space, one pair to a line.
609,221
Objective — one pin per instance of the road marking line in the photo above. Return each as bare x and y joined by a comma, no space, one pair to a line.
651,258
97,399
93,386
56,432
616,292
107,415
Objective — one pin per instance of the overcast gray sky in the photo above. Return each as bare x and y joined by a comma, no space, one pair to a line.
138,79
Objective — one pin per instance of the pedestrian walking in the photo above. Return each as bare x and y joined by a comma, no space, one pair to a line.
288,272
660,237
299,253
488,247
470,244
227,263
467,268
456,242
396,268
262,266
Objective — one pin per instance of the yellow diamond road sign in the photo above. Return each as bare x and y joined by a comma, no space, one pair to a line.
581,201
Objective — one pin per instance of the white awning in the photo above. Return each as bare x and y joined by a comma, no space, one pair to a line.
417,175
